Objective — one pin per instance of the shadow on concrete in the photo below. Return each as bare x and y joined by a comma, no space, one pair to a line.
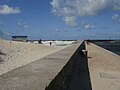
89,57
1,60
1,53
81,77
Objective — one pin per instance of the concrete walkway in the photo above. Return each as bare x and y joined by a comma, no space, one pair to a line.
104,67
37,75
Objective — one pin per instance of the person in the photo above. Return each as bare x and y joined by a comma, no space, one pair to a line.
40,41
50,43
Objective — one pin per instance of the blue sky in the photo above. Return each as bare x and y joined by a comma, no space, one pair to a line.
60,19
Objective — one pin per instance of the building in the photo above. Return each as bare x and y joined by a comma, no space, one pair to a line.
20,38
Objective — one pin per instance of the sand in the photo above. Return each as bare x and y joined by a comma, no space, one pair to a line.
16,54
104,67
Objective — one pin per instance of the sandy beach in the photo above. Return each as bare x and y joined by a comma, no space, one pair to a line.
15,54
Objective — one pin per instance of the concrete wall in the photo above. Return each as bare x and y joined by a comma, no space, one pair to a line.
64,79
66,69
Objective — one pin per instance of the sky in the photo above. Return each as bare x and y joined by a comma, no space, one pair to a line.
60,19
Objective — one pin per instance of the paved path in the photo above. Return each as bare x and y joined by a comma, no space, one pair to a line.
37,75
104,67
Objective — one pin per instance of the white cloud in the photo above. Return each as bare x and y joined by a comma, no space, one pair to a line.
71,21
1,23
26,26
77,8
116,18
116,8
22,25
116,5
5,10
87,26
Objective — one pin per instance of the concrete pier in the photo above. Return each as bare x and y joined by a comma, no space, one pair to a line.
74,68
104,67
53,72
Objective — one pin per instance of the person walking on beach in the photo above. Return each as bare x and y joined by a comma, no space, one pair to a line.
50,43
40,41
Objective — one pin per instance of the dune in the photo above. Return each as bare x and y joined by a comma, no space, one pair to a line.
15,54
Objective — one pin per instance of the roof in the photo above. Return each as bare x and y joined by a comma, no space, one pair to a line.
19,36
